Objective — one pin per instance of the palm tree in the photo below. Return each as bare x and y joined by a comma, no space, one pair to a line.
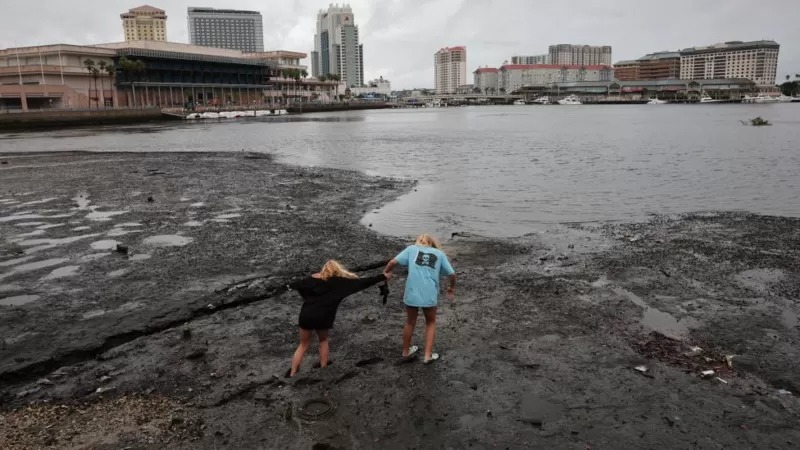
304,74
112,73
101,69
336,78
132,67
92,69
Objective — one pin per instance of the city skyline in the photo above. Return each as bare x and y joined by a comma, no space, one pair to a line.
401,36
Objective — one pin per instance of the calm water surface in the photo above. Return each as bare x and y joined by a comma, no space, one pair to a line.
506,171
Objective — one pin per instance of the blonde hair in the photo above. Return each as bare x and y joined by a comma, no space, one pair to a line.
334,268
426,240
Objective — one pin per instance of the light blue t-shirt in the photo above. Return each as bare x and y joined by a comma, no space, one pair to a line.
425,266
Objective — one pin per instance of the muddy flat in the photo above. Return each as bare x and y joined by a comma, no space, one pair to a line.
143,304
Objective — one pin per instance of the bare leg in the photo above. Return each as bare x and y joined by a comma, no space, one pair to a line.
323,348
305,341
430,330
408,330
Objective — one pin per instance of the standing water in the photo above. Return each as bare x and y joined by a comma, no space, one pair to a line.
505,171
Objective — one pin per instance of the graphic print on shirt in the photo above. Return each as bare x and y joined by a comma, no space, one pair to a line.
426,260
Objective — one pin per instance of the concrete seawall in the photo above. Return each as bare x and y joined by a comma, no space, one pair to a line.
331,107
63,118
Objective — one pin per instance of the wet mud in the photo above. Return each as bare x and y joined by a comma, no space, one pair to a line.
679,332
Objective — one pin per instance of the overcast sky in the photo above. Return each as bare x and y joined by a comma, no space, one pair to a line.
401,36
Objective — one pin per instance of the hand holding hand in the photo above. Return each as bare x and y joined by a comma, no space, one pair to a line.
451,293
388,275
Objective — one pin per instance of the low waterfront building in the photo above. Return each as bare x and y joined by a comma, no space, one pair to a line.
515,76
378,87
487,79
168,75
144,23
56,76
756,60
674,89
450,69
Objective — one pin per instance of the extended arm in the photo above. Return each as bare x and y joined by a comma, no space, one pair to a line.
359,284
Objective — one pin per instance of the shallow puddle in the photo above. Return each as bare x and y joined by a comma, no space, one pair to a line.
658,320
118,273
167,240
84,228
18,217
103,216
46,243
82,200
49,226
108,244
63,272
141,257
194,223
116,232
18,300
198,205
14,262
40,202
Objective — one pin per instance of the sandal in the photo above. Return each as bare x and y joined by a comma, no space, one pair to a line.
434,357
318,364
412,355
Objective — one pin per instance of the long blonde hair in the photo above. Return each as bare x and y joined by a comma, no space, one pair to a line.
334,268
426,240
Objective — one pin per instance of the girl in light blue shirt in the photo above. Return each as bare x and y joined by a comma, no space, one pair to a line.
426,263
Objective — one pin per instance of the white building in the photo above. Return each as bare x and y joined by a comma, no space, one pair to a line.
579,55
144,23
535,59
515,76
756,61
226,28
487,79
377,87
336,46
450,69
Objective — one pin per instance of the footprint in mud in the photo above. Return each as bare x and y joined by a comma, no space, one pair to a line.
369,362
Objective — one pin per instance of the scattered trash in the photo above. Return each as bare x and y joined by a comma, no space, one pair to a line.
642,369
729,360
636,238
122,249
101,390
693,351
211,307
784,392
45,382
721,380
707,373
105,379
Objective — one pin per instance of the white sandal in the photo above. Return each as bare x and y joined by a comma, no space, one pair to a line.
412,352
434,357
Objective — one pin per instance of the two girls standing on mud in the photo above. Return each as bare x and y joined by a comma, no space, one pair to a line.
324,291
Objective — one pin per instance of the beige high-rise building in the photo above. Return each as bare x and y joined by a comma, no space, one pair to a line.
756,61
450,69
579,55
145,23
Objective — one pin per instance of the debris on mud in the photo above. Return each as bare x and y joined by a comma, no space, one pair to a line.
676,352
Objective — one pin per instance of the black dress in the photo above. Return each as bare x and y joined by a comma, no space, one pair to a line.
321,298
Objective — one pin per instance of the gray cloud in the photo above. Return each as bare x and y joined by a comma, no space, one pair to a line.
400,36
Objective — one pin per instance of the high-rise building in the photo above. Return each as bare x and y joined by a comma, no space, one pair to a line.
536,59
486,79
144,23
653,66
515,76
450,69
756,61
580,55
336,46
226,28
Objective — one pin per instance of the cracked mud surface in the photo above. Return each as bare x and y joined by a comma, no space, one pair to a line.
539,348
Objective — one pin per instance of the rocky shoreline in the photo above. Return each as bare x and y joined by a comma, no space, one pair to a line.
164,323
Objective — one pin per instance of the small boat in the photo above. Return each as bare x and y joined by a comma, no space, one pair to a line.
541,101
570,100
707,99
761,98
656,101
519,101
784,99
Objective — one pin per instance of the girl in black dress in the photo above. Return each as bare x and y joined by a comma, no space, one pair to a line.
322,293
